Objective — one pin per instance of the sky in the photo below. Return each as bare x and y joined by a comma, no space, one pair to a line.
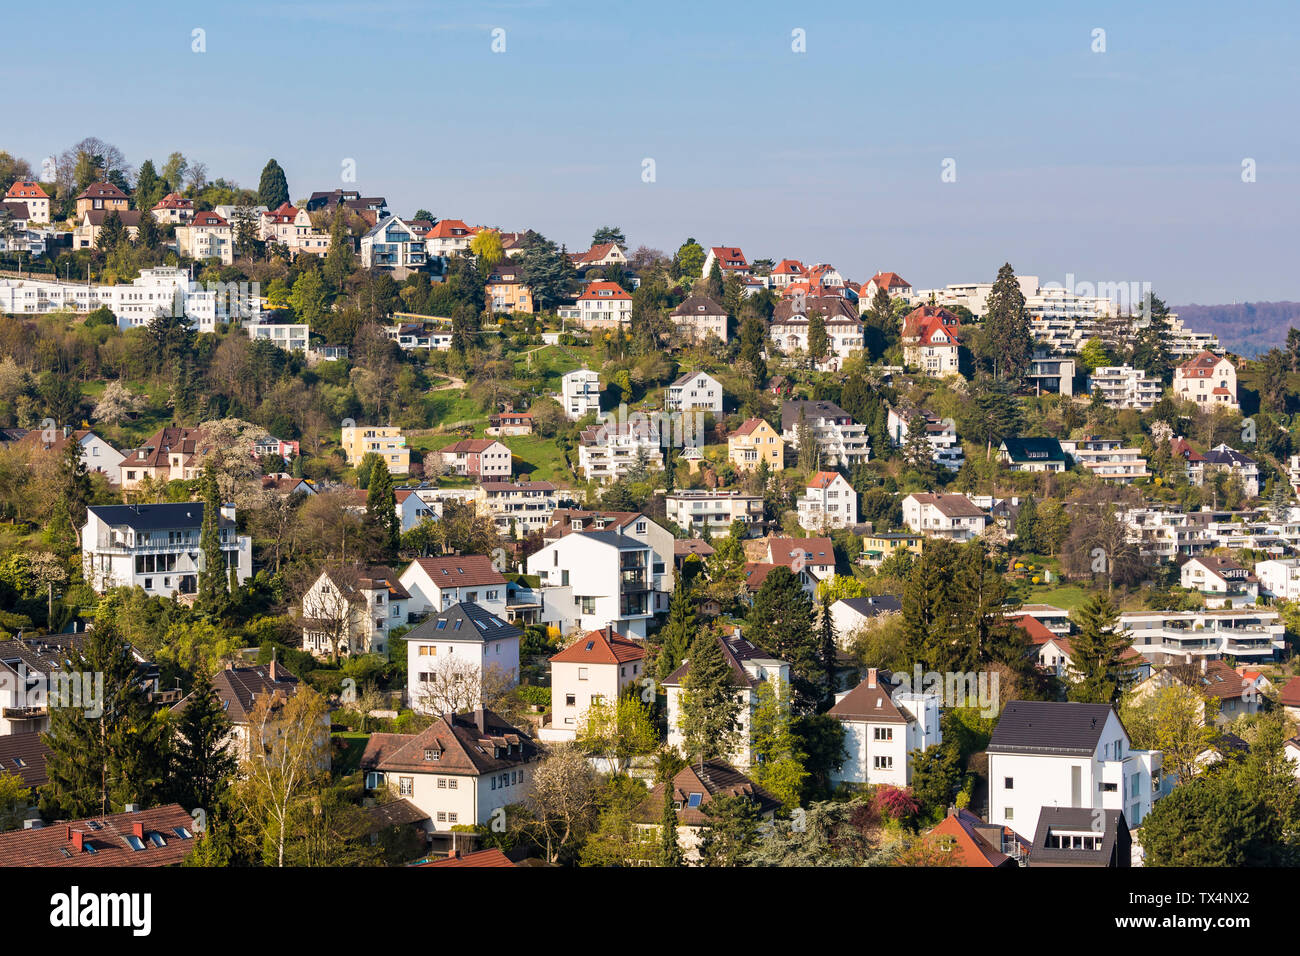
1114,157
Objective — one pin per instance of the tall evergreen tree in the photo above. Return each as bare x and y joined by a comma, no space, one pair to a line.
109,752
203,765
148,236
338,260
381,506
1097,652
679,630
1151,349
111,233
75,482
212,576
713,282
669,851
781,622
827,651
818,340
1027,527
710,707
273,188
1008,342
753,337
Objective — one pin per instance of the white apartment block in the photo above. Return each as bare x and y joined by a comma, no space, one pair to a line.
393,247
1279,579
610,450
841,441
694,391
829,501
1170,637
1107,459
156,547
1048,754
456,655
1122,386
580,393
290,336
596,579
517,508
942,434
696,510
883,730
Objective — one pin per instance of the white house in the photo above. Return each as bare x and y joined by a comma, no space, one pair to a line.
292,228
1048,754
695,510
1222,581
1107,459
611,449
694,391
750,668
941,515
482,458
1123,386
580,393
354,608
1280,578
459,771
700,317
96,454
883,728
517,508
1207,379
850,615
393,247
632,524
828,502
602,305
206,236
156,547
596,579
1240,466
946,447
290,336
840,440
597,667
730,260
435,584
456,656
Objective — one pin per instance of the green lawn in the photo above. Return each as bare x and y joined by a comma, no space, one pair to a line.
348,746
539,458
1068,596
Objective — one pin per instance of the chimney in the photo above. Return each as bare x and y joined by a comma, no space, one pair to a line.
275,671
479,720
871,677
138,830
78,839
67,833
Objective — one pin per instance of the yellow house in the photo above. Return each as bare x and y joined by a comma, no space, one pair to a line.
756,441
384,440
880,545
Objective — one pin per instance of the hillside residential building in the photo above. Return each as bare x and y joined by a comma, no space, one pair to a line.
609,450
696,510
750,668
634,525
973,843
101,197
96,454
290,336
448,237
785,272
1222,581
510,423
435,584
171,454
931,341
1236,692
391,246
879,546
845,333
37,200
699,317
1106,459
458,656
1069,836
206,236
580,393
1048,754
596,668
597,579
694,787
829,501
850,615
602,305
386,441
291,227
1280,579
729,259
156,547
694,391
1050,374
883,728
600,255
505,291
941,432
1171,637
91,223
174,209
841,442
238,689
482,458
158,836
353,608
1207,379
1240,466
940,515
462,770
815,555
1122,386
753,442
1033,454
893,285
517,508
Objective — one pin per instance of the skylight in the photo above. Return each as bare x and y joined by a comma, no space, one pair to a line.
134,842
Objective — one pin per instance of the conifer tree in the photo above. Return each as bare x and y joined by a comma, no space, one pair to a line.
212,576
273,188
1008,341
669,852
381,506
679,630
710,706
1097,654
203,765
781,622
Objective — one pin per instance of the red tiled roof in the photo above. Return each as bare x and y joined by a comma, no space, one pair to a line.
1200,366
1290,696
601,647
1035,629
823,479
488,857
448,229
469,570
748,426
890,280
26,189
103,841
970,848
604,291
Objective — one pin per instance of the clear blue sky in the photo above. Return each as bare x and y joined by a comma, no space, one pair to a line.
1115,166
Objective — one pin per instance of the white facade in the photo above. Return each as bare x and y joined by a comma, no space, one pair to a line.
1280,579
942,434
392,246
944,516
435,584
290,336
1207,380
879,747
580,393
609,579
1247,634
358,613
1122,386
453,642
695,510
829,501
696,390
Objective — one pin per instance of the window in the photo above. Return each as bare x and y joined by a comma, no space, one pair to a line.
570,700
883,763
442,816
582,673
884,733
1009,783
406,786
1009,814
694,799
451,818
453,784
442,783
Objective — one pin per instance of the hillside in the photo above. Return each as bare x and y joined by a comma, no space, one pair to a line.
1246,328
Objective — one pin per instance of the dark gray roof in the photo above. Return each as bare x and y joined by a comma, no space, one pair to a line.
1077,819
1049,728
877,604
186,514
463,621
1034,449
812,410
618,540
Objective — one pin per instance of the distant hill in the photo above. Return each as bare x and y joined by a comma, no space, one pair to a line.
1246,328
